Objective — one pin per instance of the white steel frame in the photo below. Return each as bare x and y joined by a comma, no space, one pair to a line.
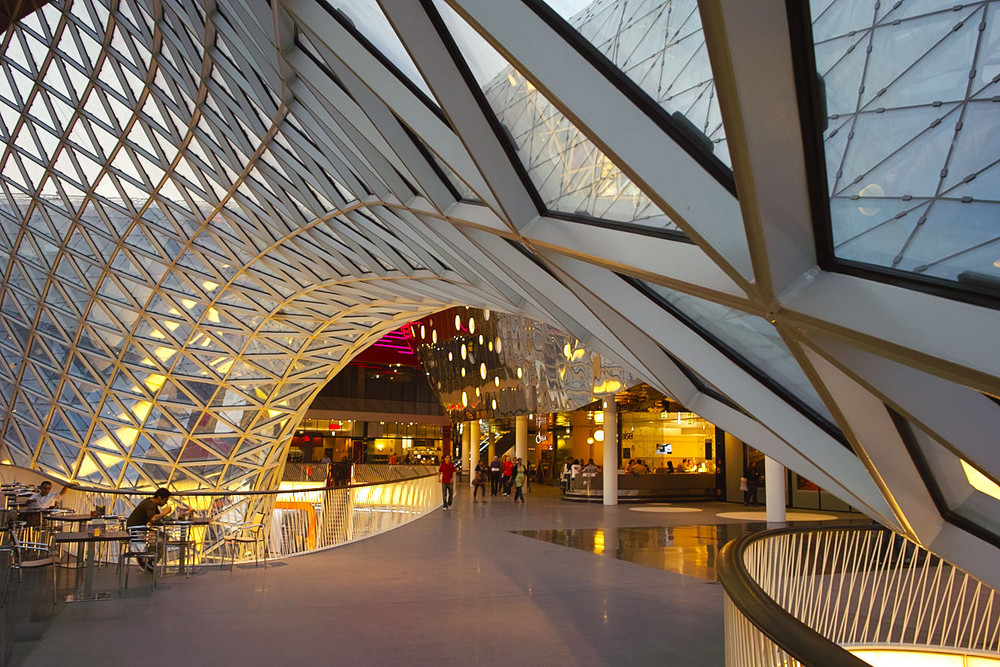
213,205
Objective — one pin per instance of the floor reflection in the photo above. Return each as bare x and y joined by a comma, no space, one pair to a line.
689,550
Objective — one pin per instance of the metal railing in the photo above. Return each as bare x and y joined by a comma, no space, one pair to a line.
296,522
818,596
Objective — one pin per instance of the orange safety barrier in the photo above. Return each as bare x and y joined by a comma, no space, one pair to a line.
311,537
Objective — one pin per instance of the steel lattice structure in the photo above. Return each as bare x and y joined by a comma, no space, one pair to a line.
210,206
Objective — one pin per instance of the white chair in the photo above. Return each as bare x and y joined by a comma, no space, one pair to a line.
246,535
142,546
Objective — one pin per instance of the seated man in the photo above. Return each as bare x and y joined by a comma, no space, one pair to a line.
146,513
45,497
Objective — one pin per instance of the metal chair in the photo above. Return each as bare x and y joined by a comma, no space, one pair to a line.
40,554
242,535
143,546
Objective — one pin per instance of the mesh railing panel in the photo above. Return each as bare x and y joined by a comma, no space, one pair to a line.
296,522
861,588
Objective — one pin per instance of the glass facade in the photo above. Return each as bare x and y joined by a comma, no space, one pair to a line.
911,140
570,174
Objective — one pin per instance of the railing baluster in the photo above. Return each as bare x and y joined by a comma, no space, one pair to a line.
862,587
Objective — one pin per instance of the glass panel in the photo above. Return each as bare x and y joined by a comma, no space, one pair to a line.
755,341
913,142
571,174
368,18
965,489
660,45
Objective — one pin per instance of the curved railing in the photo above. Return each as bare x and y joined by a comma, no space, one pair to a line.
838,594
296,521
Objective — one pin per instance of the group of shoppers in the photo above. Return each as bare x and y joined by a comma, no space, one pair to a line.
504,475
573,467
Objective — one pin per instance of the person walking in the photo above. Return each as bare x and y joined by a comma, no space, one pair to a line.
496,468
479,481
520,475
446,475
751,480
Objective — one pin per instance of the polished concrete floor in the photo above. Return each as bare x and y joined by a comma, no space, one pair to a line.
545,582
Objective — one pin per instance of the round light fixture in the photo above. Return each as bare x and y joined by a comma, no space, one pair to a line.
499,345
449,356
464,352
458,323
519,373
486,314
423,331
463,372
465,400
599,435
494,404
496,380
482,371
472,325
434,336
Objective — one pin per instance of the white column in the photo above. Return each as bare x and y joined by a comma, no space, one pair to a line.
466,438
521,437
473,447
611,453
774,488
491,437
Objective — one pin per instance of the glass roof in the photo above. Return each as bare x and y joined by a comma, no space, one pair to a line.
569,172
659,44
754,340
368,18
965,490
913,142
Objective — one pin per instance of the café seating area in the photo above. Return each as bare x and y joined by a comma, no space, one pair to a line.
72,544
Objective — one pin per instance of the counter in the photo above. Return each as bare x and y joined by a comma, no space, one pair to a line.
693,485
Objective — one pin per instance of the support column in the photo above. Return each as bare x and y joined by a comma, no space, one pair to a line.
774,489
473,447
466,438
611,452
491,438
521,437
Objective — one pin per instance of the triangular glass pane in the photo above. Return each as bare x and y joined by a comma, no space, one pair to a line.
912,176
569,172
369,20
753,340
661,47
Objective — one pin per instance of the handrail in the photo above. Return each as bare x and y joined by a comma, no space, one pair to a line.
814,596
792,635
297,520
213,492
266,492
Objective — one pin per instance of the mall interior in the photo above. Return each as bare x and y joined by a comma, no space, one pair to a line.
741,260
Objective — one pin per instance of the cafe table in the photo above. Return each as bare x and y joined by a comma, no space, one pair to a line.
72,518
90,540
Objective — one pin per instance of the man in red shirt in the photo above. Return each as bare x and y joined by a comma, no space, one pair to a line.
446,475
508,474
